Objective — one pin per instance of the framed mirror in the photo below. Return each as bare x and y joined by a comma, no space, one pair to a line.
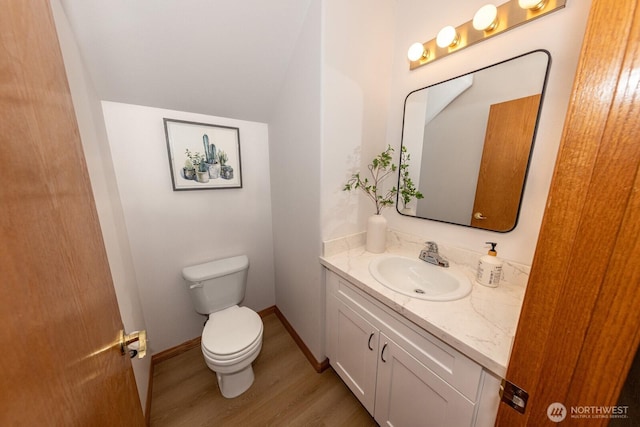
467,143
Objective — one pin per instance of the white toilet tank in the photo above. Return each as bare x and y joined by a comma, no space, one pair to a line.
218,284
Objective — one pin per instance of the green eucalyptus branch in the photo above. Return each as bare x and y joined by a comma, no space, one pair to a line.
380,168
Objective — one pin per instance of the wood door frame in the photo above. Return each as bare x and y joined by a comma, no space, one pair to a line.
580,324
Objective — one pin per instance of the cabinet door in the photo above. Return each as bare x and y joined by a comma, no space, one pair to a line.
355,353
409,394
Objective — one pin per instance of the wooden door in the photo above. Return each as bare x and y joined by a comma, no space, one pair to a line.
507,144
59,319
580,322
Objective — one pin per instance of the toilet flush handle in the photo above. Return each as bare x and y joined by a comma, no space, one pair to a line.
195,285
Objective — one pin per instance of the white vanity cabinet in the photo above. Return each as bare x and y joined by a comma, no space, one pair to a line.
409,394
401,374
355,355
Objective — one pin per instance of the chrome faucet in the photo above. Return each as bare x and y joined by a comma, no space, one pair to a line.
430,254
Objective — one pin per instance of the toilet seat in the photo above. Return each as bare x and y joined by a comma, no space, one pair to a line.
231,334
238,359
234,356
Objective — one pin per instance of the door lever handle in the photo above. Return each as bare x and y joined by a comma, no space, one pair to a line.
478,215
139,337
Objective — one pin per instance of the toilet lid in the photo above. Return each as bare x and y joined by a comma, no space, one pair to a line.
231,330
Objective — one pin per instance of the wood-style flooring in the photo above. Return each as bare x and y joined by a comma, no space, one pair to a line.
287,391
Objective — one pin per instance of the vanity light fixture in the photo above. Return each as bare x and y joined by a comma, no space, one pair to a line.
532,4
486,18
417,52
447,37
488,21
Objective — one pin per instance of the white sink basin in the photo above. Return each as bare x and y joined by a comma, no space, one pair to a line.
419,279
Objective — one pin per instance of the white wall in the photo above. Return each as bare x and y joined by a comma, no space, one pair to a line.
333,103
169,230
103,183
294,143
358,41
560,33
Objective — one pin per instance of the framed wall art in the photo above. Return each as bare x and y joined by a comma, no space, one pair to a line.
203,156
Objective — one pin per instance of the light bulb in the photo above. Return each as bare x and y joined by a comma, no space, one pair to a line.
447,37
486,18
532,4
417,52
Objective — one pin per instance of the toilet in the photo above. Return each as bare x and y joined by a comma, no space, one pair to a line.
232,335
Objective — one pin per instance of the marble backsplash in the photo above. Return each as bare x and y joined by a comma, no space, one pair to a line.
512,272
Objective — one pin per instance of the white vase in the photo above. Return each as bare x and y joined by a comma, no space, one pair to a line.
376,234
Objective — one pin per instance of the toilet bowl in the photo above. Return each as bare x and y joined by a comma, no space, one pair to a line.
229,351
232,335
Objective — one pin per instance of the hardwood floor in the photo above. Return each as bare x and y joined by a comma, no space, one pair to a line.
287,391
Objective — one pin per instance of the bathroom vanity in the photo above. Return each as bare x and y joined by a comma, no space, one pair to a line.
417,362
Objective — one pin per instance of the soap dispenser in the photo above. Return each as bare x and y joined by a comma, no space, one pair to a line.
489,268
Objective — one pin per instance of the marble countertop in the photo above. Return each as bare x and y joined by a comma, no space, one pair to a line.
481,325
